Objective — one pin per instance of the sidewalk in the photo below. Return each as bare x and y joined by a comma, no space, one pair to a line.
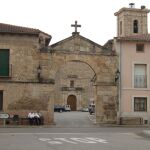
92,118
146,133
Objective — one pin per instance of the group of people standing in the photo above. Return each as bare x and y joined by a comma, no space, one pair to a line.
34,118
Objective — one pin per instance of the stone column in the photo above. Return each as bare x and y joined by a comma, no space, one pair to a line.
106,111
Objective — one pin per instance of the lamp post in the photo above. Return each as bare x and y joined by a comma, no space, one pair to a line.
39,70
117,74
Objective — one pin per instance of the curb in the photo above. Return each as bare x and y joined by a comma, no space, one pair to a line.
27,126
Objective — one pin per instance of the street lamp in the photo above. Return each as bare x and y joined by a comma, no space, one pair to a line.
117,74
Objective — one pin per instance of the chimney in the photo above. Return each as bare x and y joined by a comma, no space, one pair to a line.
132,5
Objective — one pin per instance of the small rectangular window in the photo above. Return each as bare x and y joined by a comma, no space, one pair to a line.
139,47
71,83
120,27
140,104
1,100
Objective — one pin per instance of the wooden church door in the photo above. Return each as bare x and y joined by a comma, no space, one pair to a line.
72,101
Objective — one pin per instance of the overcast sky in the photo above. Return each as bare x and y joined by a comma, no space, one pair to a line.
56,16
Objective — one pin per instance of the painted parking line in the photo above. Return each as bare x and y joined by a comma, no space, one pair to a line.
73,140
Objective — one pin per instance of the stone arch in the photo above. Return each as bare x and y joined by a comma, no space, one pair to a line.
94,76
60,60
82,74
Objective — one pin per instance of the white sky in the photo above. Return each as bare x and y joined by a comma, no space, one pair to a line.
56,16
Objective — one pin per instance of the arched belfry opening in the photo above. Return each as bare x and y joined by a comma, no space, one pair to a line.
135,26
72,101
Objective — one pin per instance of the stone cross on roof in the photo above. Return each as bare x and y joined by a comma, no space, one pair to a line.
76,26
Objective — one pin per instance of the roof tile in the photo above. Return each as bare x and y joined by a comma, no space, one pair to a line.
7,28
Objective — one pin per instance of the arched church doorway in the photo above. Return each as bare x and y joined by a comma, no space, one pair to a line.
72,101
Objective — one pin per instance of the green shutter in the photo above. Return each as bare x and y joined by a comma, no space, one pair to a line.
4,62
1,100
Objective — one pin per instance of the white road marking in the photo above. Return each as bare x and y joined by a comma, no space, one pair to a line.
82,140
55,142
49,141
97,140
44,139
65,140
73,140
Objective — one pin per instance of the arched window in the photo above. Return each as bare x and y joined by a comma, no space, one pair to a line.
135,26
120,27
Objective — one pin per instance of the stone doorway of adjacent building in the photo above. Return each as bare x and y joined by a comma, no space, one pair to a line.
72,101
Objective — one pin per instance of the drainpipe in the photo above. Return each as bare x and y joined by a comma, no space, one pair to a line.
120,83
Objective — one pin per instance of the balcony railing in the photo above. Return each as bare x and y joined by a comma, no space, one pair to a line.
140,81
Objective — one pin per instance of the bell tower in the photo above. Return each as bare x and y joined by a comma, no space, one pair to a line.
132,21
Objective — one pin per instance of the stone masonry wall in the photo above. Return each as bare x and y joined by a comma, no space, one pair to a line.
24,56
22,98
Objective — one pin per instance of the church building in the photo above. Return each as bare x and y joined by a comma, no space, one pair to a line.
36,75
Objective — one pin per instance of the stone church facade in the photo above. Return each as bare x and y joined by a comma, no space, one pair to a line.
36,76
85,73
74,71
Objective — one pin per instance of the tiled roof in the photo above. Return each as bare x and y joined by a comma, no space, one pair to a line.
7,28
140,37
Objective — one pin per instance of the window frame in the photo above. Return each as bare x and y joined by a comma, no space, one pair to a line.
72,83
133,75
140,47
120,27
9,66
147,104
135,26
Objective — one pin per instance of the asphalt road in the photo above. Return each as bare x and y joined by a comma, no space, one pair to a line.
79,133
73,119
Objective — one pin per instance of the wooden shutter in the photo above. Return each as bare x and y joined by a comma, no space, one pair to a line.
4,62
1,100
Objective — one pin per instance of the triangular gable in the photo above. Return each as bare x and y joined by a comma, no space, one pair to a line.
77,43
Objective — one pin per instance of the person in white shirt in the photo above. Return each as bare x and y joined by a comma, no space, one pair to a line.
37,118
31,118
